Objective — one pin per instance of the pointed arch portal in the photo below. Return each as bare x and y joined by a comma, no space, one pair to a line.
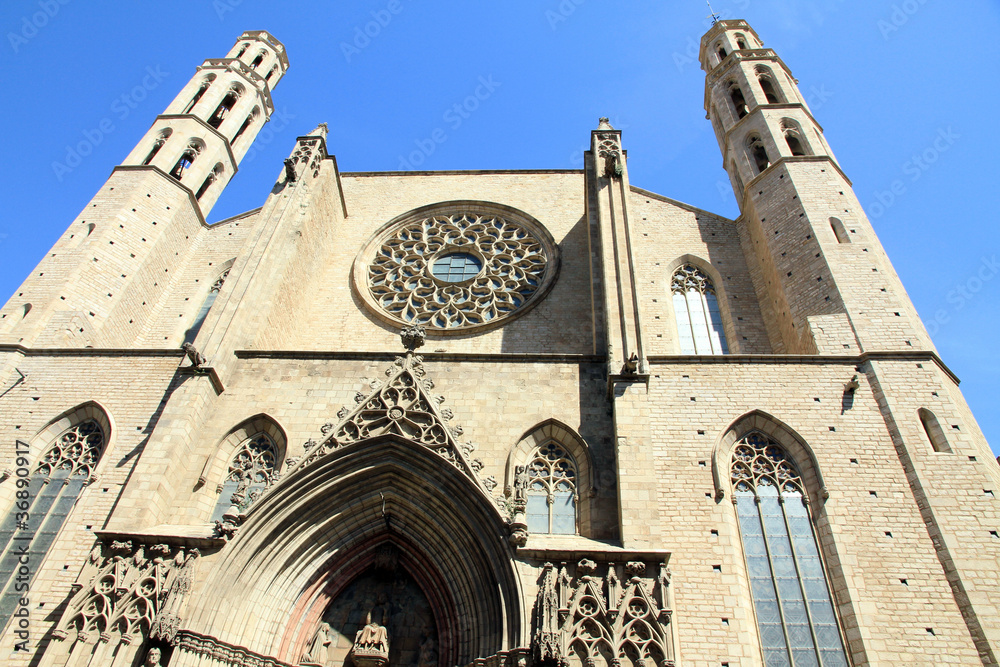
355,515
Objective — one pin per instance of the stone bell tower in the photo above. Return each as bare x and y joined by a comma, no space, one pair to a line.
105,279
827,284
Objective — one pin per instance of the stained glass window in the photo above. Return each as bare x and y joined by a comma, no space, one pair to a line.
795,613
252,470
699,322
552,491
42,505
457,267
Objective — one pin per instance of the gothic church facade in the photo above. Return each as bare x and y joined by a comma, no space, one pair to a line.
502,418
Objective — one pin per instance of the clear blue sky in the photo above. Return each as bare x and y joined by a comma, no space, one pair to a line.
889,80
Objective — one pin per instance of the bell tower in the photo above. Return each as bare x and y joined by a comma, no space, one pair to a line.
204,133
826,283
104,280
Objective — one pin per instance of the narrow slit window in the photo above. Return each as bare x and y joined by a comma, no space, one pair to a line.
839,230
932,428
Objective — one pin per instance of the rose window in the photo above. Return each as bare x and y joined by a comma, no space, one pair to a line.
454,270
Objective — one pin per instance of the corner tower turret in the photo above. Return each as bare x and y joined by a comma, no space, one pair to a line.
209,127
104,282
826,284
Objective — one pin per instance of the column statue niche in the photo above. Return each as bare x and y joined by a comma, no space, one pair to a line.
371,645
316,654
152,658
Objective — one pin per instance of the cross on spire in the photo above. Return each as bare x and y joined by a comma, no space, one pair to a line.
715,17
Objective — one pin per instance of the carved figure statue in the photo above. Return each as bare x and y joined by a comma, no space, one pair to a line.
371,645
290,175
196,357
428,656
152,658
316,653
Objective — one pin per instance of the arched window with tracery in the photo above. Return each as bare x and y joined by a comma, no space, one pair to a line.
738,99
202,89
161,139
699,322
552,491
43,501
758,153
795,614
772,92
252,469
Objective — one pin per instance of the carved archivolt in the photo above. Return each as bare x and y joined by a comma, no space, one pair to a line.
622,617
456,267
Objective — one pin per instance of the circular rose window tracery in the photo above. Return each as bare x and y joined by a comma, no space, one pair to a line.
457,266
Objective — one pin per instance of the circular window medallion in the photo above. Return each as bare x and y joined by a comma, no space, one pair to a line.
456,266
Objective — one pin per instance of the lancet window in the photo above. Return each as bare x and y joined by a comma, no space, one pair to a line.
699,322
738,99
226,106
552,491
252,470
767,85
205,85
158,144
42,503
186,160
251,117
795,614
758,153
213,176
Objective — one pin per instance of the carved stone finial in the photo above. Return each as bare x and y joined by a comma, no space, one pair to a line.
605,124
197,358
413,337
635,569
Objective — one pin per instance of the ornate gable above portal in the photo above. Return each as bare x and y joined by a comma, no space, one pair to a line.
402,405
